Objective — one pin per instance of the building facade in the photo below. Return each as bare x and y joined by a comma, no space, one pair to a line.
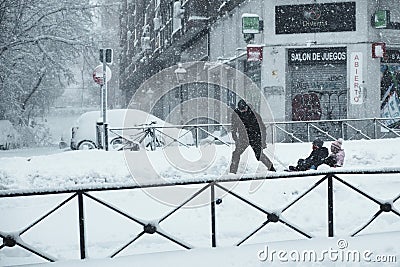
320,60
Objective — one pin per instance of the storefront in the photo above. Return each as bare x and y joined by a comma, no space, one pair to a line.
317,61
316,83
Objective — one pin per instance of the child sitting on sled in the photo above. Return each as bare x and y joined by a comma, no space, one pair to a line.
318,155
336,158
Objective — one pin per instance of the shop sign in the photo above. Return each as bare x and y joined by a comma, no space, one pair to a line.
311,18
324,55
391,56
378,50
356,78
250,23
381,19
254,53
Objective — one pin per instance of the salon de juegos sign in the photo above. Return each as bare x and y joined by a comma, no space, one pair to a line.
317,55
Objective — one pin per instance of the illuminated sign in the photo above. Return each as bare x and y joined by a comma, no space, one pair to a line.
250,23
381,19
329,17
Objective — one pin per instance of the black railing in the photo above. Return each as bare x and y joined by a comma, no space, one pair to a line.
15,238
278,132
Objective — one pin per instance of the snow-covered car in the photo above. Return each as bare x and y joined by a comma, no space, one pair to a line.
127,126
8,135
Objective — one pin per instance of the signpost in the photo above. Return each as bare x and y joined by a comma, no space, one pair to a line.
101,75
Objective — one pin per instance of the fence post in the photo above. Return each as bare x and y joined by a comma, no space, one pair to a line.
99,126
375,129
330,206
342,126
81,226
153,139
272,133
308,133
106,136
213,237
196,133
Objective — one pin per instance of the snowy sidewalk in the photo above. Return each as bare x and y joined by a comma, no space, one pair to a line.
367,250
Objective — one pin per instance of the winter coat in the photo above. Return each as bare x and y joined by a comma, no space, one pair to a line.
316,158
340,158
248,127
336,159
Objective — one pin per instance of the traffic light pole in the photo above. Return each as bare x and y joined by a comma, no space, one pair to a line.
104,103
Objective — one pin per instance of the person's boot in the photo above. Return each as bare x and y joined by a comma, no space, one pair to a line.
293,168
272,169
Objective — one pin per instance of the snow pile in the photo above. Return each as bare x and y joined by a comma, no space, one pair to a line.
210,161
235,220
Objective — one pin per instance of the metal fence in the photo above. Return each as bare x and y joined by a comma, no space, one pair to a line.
347,129
327,178
277,132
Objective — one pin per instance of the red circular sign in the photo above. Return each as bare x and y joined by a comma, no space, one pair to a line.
98,74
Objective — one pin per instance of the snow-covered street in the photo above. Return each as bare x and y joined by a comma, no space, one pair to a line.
235,220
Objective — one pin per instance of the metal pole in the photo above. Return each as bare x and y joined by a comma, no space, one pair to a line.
197,136
104,105
330,206
81,226
213,236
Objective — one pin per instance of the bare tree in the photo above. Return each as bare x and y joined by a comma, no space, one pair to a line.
39,41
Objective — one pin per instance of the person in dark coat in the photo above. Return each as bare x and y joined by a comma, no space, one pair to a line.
316,158
248,129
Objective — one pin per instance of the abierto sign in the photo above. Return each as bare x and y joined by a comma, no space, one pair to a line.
356,78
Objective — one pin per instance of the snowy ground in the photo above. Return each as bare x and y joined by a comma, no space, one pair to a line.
234,219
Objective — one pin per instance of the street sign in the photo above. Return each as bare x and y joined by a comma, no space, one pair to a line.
98,74
109,55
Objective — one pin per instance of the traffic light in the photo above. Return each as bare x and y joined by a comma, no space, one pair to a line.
109,55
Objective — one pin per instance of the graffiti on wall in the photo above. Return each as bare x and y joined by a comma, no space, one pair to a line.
306,107
390,92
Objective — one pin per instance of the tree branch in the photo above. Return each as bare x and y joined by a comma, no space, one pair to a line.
34,90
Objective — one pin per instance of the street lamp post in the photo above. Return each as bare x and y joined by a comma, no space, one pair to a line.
180,73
